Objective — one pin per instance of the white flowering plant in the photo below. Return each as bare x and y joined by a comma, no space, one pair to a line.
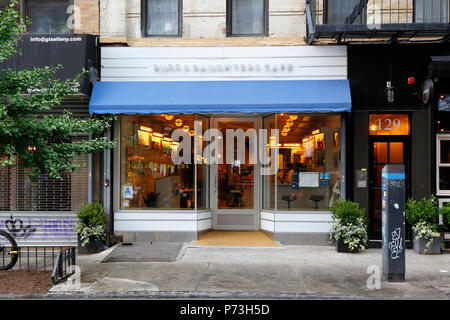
353,235
349,224
89,233
427,231
91,224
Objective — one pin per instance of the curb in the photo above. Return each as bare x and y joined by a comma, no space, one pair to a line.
198,295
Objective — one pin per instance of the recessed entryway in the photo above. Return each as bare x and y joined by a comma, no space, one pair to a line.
236,239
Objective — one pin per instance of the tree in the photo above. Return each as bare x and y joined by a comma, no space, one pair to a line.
40,143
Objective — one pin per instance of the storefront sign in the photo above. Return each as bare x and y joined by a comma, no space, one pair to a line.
218,63
389,124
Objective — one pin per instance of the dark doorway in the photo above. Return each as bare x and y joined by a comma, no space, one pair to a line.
385,150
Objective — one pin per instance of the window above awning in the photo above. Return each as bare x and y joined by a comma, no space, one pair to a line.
213,97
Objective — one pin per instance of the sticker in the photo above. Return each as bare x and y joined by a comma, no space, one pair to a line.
295,181
127,192
126,203
325,179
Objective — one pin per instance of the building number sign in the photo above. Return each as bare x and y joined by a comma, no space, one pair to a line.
389,124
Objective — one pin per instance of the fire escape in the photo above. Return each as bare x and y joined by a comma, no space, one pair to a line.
377,21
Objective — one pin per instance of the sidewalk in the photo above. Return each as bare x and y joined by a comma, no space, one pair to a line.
290,272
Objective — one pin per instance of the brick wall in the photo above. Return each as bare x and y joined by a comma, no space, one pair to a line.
88,16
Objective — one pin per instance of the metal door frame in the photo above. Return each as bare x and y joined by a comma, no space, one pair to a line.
215,212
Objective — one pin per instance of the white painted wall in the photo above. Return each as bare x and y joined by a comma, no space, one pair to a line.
296,222
162,221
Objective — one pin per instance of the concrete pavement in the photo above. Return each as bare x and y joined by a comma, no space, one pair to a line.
289,272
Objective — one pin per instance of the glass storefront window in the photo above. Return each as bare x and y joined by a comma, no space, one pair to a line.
149,178
309,161
203,174
269,180
307,178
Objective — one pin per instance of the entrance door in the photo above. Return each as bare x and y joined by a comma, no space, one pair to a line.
235,201
392,150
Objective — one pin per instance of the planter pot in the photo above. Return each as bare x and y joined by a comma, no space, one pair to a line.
420,245
343,247
94,246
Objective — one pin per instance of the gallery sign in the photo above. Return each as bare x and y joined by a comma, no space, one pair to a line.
73,52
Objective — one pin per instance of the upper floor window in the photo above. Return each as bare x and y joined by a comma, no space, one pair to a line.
247,17
48,16
162,18
3,4
338,11
431,11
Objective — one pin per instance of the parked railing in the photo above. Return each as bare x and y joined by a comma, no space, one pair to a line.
38,258
62,267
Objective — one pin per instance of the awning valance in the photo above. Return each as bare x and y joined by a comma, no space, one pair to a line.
212,97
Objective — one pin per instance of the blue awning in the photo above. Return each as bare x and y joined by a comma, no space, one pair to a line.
211,97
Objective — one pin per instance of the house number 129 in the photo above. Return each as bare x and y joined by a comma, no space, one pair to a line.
389,124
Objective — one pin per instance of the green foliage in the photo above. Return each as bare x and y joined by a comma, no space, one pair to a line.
423,215
347,211
40,143
91,223
11,24
92,215
445,212
350,224
425,210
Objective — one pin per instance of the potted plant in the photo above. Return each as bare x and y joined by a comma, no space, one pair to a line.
91,228
423,216
349,227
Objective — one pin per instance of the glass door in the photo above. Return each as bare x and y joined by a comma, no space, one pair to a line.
235,179
384,151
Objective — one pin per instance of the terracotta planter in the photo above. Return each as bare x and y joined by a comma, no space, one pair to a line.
94,246
343,247
420,245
